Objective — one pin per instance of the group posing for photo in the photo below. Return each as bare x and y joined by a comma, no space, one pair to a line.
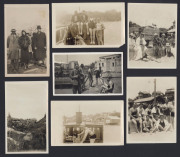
84,30
25,48
150,118
156,48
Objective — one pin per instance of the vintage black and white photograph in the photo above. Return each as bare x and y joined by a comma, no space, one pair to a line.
151,109
88,25
152,35
26,116
26,40
87,123
88,73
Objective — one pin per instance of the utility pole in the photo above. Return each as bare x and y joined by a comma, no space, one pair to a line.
154,91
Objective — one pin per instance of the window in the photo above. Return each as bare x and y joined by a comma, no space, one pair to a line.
113,64
102,64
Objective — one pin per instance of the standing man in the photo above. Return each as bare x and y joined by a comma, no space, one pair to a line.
33,44
163,43
40,47
13,50
84,30
90,76
76,20
75,76
99,32
157,45
98,73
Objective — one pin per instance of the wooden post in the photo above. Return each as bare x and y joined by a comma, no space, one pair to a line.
154,91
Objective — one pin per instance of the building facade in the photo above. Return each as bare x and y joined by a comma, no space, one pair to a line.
110,63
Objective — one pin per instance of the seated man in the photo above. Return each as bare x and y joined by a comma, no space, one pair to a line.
134,118
148,110
110,85
168,52
92,136
156,110
147,124
85,134
141,110
163,124
76,137
78,40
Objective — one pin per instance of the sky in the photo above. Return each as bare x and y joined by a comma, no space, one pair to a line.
64,108
85,59
26,99
136,84
160,14
71,7
25,16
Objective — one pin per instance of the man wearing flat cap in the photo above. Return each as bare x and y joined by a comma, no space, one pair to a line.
13,50
40,47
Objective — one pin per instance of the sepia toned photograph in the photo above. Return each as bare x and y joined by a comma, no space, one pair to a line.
87,123
76,25
88,74
26,116
26,40
152,36
151,109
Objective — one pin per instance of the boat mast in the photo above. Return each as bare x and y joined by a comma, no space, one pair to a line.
154,91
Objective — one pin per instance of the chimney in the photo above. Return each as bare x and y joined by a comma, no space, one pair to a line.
78,117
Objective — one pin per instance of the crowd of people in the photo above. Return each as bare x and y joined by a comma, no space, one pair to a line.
82,28
22,49
161,46
79,79
150,118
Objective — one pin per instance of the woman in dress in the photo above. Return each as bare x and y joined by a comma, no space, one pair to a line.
24,43
141,47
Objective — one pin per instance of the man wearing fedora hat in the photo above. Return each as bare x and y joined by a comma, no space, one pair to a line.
40,47
13,50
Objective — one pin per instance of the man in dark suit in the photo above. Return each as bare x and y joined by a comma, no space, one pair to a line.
40,47
75,76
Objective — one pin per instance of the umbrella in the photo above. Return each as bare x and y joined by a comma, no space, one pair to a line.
172,31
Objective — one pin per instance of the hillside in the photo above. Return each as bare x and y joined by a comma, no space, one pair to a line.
26,134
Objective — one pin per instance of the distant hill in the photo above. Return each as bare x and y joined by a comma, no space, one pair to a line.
108,16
